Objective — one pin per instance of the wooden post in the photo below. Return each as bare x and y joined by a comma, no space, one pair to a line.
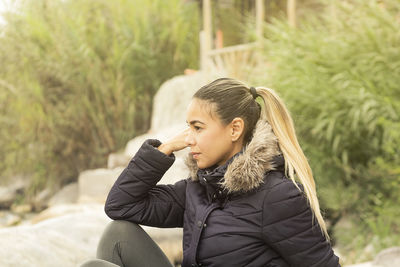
291,12
207,32
219,40
203,53
259,18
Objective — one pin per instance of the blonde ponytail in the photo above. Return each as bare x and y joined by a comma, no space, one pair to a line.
276,113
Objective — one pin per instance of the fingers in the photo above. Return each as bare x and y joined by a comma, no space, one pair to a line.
180,140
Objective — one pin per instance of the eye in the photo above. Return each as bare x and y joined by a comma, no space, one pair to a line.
197,128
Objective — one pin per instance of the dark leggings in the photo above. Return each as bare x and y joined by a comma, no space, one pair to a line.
127,244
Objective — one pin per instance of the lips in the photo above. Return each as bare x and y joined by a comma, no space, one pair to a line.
195,155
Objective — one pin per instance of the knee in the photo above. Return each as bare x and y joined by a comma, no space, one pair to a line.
89,263
115,233
120,230
98,263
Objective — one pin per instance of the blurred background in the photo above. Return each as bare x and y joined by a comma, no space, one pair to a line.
78,79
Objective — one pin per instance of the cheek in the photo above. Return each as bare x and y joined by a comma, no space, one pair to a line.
204,140
212,142
212,146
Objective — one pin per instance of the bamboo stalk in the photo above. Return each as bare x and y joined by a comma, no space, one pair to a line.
291,12
259,18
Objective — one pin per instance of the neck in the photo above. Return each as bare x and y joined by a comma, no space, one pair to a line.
237,147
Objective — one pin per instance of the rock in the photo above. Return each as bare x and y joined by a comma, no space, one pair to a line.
178,171
67,240
21,209
163,135
133,145
365,264
40,201
94,185
173,111
67,195
62,209
9,219
10,192
7,197
117,160
388,257
67,235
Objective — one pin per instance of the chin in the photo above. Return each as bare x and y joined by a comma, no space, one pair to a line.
203,165
200,166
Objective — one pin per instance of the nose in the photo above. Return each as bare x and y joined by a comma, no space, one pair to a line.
189,139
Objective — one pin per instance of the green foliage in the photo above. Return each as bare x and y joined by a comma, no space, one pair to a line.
340,74
77,79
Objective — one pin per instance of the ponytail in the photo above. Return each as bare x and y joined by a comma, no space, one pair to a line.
276,113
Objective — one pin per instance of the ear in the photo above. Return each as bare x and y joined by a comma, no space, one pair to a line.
237,129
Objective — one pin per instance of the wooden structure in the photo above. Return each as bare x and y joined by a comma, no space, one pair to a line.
233,60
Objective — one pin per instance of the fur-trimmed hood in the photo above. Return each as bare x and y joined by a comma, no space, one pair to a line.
245,170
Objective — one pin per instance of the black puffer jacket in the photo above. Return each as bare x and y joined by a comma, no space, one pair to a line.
244,213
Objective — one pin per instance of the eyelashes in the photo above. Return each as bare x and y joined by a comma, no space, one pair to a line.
197,128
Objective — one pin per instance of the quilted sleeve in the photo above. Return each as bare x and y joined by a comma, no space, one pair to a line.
289,229
136,197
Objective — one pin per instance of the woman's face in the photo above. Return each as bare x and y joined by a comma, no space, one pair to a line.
210,141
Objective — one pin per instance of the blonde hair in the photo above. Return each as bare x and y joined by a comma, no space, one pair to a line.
278,116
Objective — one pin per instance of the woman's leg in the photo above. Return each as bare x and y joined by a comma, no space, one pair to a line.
127,244
98,263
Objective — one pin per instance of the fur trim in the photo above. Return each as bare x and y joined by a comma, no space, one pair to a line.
246,171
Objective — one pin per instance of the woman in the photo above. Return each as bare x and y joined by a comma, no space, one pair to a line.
241,205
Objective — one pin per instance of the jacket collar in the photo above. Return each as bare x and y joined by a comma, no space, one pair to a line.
245,170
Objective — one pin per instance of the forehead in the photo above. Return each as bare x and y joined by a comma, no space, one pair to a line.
200,110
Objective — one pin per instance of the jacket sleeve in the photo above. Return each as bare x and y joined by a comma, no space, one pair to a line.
135,196
289,229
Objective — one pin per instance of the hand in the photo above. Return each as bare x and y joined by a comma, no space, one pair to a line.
178,142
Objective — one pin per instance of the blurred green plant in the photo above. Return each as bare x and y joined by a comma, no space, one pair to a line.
77,79
339,73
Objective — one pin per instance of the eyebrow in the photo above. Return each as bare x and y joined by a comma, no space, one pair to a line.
194,121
